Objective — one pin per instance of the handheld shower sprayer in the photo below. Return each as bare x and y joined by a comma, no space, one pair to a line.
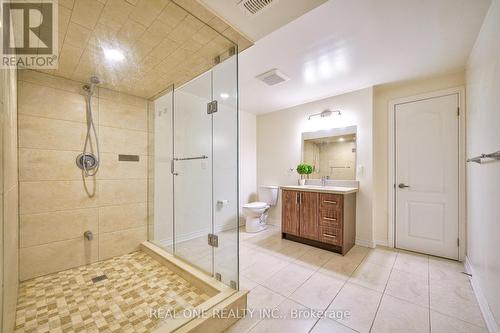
87,160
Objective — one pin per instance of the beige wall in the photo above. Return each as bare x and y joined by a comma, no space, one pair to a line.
279,142
9,200
248,156
382,96
55,205
483,181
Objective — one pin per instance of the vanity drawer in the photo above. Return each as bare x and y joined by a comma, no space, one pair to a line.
330,201
330,235
331,217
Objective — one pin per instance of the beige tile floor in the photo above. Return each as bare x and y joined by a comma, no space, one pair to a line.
384,290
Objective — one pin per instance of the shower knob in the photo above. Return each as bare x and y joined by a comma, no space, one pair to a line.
89,160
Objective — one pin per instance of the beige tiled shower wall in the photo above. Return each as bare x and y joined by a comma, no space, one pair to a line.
57,204
9,273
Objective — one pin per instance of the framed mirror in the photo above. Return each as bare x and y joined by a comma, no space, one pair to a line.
331,153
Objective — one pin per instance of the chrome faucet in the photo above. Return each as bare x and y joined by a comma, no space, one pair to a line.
324,179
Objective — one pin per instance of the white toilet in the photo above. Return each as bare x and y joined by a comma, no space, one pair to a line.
256,212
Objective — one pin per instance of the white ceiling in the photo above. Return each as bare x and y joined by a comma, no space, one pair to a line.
343,46
273,16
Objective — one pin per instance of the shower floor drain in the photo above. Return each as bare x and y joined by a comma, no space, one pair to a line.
99,278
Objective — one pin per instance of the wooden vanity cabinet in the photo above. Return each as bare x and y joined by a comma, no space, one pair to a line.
326,220
290,214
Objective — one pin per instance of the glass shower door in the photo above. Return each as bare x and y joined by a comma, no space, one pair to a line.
192,169
205,172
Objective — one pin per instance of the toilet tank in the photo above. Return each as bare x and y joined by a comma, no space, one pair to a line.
268,194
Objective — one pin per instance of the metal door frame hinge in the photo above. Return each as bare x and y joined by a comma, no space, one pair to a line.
458,241
213,240
212,107
458,111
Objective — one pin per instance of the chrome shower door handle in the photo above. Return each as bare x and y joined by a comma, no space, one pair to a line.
172,168
402,185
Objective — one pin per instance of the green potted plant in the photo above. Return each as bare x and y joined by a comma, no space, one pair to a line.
304,170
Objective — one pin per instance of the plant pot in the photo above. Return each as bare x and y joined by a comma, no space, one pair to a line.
302,182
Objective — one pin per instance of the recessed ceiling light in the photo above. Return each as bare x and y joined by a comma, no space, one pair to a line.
224,95
114,54
341,139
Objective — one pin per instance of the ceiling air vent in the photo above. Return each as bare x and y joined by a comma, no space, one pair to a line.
253,7
272,77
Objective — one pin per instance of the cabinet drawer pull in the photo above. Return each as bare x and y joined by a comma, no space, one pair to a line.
329,219
329,236
330,202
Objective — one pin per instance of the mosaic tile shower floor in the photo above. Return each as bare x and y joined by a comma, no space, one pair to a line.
69,301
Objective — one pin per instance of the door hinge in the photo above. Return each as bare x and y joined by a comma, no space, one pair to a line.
458,111
213,240
233,285
458,241
212,107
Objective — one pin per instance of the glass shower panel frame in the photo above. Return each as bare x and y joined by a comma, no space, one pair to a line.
193,191
160,188
226,170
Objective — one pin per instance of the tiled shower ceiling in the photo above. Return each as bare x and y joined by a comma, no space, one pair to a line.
164,42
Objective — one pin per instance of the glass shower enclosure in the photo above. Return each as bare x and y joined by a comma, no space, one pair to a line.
194,171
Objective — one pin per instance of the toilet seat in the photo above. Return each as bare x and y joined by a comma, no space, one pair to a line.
256,205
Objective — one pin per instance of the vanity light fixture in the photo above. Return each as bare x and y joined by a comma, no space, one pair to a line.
325,113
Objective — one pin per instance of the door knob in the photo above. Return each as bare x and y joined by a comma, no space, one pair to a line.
403,185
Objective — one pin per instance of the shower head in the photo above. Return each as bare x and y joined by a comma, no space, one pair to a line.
94,80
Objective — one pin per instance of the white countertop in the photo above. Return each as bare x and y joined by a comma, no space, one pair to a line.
324,189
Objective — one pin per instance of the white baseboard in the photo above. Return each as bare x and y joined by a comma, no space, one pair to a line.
365,243
382,242
481,299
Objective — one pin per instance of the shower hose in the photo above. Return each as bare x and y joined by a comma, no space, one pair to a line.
88,140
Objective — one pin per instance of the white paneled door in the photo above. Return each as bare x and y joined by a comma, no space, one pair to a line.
427,175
